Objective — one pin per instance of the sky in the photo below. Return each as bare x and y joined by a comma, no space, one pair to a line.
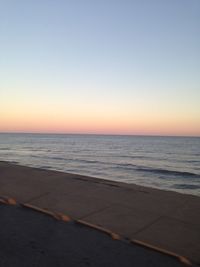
100,66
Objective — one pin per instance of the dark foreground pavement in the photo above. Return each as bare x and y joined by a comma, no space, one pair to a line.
29,238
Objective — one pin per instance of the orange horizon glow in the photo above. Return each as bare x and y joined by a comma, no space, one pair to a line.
97,117
172,128
93,120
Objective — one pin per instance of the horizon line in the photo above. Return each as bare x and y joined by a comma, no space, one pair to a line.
104,134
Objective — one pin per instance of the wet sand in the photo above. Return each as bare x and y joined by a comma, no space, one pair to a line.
162,221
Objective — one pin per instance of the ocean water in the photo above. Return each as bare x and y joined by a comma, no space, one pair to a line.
169,163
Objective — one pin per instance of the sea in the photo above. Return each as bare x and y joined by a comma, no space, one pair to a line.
168,163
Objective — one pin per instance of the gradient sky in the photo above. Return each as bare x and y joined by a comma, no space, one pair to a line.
100,66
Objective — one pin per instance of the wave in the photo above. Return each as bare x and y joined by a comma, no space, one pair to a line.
89,161
158,171
56,158
125,166
170,172
47,158
186,186
67,159
132,157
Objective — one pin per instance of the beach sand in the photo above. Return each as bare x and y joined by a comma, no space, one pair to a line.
163,221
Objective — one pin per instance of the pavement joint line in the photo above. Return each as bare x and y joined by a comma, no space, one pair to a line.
36,198
182,259
94,212
148,225
114,236
179,220
66,218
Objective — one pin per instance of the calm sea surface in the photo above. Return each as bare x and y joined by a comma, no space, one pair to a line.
170,163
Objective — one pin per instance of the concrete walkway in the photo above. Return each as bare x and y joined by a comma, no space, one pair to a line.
162,220
29,238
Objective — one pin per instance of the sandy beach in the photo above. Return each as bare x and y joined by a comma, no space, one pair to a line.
160,222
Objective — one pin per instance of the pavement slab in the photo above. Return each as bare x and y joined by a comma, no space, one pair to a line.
173,235
70,204
122,220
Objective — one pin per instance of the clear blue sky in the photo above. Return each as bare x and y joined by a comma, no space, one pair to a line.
132,62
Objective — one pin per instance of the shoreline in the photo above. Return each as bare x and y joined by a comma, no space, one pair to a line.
102,180
164,220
